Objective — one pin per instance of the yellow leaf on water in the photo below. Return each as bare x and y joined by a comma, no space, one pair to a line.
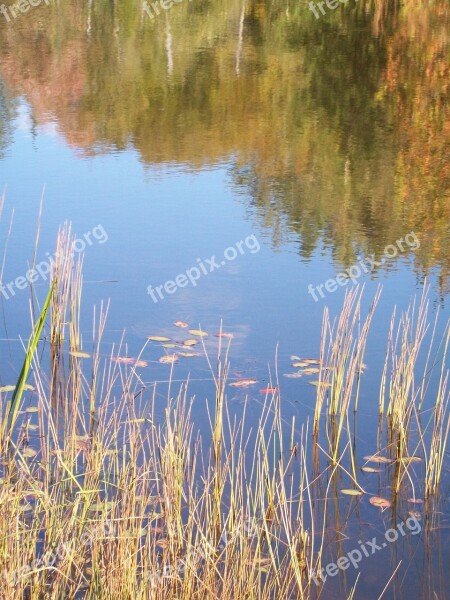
310,370
140,363
380,502
158,338
169,359
77,354
29,452
188,354
295,375
352,492
190,342
31,409
182,324
7,388
370,470
198,332
300,363
378,459
243,383
169,345
411,459
320,383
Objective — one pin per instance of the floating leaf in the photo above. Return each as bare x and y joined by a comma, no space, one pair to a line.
269,390
415,500
310,371
380,502
198,332
378,459
169,345
141,363
158,338
300,363
411,459
101,506
243,383
370,470
7,388
29,452
190,342
352,492
78,354
32,427
415,514
123,360
295,375
320,383
311,361
294,357
31,409
188,354
181,324
223,334
169,359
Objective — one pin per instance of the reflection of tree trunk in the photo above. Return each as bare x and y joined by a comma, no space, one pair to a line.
381,12
88,28
169,49
240,38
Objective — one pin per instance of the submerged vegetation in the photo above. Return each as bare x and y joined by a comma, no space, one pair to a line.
104,494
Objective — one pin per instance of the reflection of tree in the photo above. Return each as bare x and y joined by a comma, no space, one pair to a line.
337,126
6,115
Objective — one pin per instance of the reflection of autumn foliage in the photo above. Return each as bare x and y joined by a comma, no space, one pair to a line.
338,127
416,81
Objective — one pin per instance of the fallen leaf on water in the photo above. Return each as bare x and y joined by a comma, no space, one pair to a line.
29,452
188,354
415,514
300,363
190,342
243,383
269,390
310,371
311,361
198,332
380,502
182,324
31,409
158,338
222,334
141,363
293,375
169,359
370,470
295,357
415,500
78,354
123,360
320,383
411,459
352,492
169,345
11,388
378,459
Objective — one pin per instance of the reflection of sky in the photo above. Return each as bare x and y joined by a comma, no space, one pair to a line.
159,223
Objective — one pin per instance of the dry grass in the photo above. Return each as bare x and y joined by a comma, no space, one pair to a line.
102,498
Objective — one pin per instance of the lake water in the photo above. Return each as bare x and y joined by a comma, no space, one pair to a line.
247,159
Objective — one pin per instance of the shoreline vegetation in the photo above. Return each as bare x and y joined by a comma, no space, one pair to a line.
101,497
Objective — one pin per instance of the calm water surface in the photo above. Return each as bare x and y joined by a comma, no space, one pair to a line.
314,143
